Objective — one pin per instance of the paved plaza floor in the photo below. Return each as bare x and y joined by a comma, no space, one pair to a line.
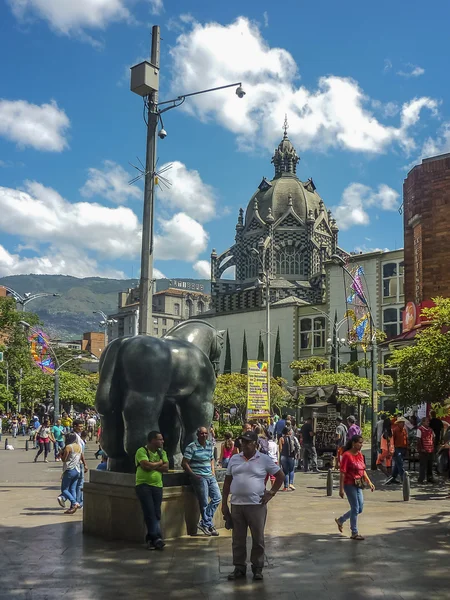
45,556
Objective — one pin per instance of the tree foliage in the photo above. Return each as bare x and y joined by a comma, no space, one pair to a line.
231,392
227,364
244,363
424,369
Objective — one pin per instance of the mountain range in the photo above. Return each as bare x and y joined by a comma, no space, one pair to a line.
72,313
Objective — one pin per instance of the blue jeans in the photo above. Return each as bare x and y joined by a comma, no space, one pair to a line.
80,485
225,462
208,494
288,466
57,446
355,498
69,485
399,455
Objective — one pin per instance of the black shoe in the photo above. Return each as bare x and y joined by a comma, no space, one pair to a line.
213,531
159,544
150,545
391,481
203,528
257,575
237,574
420,481
431,480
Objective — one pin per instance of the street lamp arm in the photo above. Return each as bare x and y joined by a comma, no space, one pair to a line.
16,295
39,295
184,96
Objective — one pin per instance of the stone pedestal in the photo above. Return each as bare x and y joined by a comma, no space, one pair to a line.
112,511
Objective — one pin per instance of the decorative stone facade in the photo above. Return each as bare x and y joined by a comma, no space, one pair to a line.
290,217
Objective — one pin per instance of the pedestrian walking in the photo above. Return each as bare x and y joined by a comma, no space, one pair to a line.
341,438
437,426
198,462
71,457
353,480
384,458
44,436
353,428
58,434
245,480
226,451
151,462
14,426
400,436
78,427
279,426
425,446
23,425
289,449
309,447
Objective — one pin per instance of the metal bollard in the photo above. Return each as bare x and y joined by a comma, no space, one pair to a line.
6,442
406,486
26,445
330,482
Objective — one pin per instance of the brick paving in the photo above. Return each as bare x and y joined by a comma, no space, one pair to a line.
44,555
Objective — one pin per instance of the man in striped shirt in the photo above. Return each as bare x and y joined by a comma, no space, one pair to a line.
198,462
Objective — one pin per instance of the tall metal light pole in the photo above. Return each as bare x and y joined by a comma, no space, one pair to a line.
22,300
105,323
374,362
265,246
335,330
145,83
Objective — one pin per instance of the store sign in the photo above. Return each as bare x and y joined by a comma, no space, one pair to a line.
187,285
418,283
257,391
412,315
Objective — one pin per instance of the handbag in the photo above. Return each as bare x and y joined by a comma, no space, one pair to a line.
361,483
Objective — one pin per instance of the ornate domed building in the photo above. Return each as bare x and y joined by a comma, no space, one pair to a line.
286,233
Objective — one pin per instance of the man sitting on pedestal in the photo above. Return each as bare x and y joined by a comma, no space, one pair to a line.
198,462
151,462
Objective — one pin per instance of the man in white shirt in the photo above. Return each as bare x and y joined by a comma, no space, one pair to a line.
78,427
245,479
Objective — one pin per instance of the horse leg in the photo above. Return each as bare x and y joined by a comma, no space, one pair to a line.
170,427
108,403
197,410
141,413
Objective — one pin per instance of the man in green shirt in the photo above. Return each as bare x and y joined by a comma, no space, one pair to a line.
151,462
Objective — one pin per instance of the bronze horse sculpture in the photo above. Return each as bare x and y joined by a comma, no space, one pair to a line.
164,384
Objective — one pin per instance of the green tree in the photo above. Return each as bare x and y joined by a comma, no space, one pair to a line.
227,364
260,348
231,392
276,371
244,363
76,389
424,369
5,397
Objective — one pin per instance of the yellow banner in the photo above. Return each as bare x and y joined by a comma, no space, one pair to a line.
257,397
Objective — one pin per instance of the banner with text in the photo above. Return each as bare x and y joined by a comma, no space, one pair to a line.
257,396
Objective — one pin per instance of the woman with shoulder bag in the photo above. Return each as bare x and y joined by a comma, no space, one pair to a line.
353,480
287,454
43,437
71,457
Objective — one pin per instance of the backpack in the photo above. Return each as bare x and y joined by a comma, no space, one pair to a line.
263,445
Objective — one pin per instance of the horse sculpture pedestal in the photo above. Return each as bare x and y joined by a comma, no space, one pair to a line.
112,511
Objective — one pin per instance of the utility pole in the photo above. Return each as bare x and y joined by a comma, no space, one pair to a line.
7,387
146,282
19,397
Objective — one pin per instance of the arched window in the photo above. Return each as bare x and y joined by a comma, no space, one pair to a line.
290,261
189,308
251,266
200,307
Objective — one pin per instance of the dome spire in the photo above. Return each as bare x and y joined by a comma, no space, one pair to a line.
285,157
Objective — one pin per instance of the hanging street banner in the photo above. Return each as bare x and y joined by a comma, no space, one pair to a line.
257,396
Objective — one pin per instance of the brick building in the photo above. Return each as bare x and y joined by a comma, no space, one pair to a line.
426,206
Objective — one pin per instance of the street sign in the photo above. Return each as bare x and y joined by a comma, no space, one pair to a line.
257,396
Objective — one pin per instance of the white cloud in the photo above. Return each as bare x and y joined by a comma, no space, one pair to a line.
40,215
56,261
335,114
387,65
413,71
110,182
357,197
180,238
203,268
266,18
364,249
188,192
41,127
73,16
156,7
439,144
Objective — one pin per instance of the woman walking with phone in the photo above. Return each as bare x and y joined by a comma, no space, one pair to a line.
353,480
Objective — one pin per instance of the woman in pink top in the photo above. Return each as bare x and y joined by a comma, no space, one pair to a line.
226,450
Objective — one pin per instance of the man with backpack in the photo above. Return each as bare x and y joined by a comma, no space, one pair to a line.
151,462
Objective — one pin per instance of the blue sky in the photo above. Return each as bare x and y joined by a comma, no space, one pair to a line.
364,87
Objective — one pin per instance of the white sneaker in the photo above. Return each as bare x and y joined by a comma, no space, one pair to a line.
61,501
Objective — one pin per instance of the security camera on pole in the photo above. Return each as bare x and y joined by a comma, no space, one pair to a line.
145,83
